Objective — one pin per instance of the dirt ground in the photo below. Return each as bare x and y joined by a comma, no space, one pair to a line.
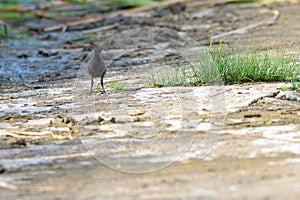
51,148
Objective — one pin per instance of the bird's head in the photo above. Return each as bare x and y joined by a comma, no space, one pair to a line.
99,48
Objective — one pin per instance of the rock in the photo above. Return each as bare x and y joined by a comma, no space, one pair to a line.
100,119
90,121
22,55
61,121
112,120
109,121
19,142
68,119
177,8
289,95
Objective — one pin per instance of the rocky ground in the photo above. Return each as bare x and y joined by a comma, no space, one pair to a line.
138,142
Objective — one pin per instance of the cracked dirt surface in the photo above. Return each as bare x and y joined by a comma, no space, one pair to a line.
50,152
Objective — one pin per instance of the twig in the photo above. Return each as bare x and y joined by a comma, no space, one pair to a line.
31,135
246,29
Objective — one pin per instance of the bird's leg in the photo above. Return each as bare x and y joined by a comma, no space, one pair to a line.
103,91
92,83
102,77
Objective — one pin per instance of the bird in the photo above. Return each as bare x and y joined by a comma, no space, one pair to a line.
96,67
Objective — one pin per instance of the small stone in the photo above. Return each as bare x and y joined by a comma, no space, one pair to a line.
68,119
251,115
177,8
137,119
19,142
112,120
100,119
289,95
22,55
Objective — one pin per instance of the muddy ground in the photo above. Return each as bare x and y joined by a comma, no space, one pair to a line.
227,142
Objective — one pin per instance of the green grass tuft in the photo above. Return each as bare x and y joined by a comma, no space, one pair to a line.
249,66
5,30
233,67
116,86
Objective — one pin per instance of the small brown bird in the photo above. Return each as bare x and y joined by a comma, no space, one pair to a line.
96,67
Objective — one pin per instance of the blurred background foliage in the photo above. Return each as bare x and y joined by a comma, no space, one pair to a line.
66,10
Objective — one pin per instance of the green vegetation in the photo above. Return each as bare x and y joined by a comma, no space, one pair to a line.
11,9
296,84
176,77
232,67
82,38
267,66
98,89
5,30
82,2
283,88
34,41
16,15
12,3
116,86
